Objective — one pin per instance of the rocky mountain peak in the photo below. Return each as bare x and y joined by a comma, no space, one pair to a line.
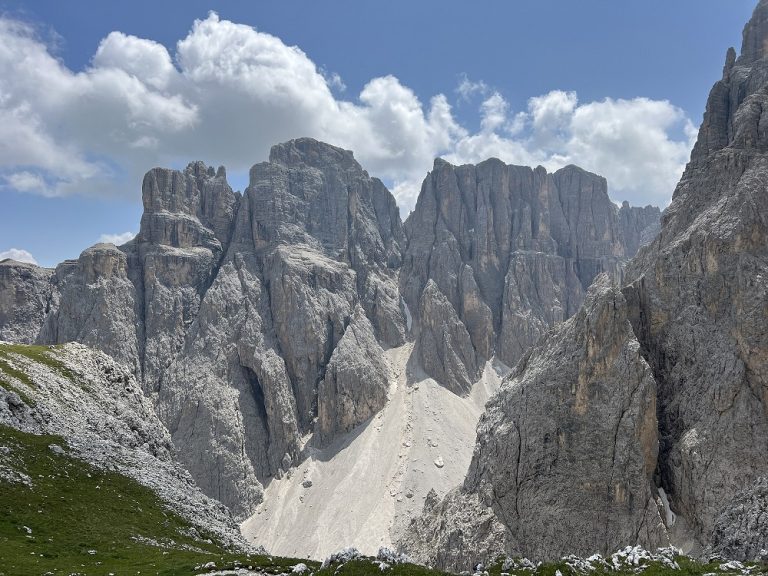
510,250
744,79
245,317
25,295
189,208
311,152
253,320
755,36
675,356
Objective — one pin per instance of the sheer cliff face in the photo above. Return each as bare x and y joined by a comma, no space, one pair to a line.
700,300
246,316
565,452
255,319
661,384
509,252
25,299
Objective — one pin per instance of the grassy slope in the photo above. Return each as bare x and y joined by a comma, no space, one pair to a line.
74,509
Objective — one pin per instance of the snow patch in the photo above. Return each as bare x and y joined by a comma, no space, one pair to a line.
408,317
669,516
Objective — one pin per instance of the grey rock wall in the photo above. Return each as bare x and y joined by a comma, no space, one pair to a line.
700,300
513,250
25,299
245,316
670,371
565,455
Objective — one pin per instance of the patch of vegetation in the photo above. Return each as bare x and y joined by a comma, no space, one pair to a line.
685,567
8,370
79,519
40,354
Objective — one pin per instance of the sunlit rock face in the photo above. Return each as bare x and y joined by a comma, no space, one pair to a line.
245,316
512,251
657,386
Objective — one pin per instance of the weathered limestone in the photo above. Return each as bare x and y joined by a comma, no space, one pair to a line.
676,363
513,250
565,453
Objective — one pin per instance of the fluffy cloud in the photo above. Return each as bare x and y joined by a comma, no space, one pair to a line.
18,255
228,92
630,142
468,88
117,239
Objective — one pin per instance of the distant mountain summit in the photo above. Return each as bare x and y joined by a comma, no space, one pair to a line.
497,254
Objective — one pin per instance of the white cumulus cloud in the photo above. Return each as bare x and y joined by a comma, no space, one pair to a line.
641,146
19,255
227,92
117,239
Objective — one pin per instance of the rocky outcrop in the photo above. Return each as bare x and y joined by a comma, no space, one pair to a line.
638,225
95,303
355,384
318,196
246,317
700,300
741,530
313,239
512,249
25,299
459,531
687,335
445,348
565,453
185,230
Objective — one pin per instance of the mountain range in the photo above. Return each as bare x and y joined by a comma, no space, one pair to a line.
279,342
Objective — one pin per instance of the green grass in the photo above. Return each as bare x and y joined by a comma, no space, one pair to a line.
41,354
45,355
73,509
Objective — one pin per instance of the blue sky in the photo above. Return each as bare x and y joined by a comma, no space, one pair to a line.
617,87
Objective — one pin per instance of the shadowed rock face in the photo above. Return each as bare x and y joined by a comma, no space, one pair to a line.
25,298
565,452
512,251
662,384
246,316
699,299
